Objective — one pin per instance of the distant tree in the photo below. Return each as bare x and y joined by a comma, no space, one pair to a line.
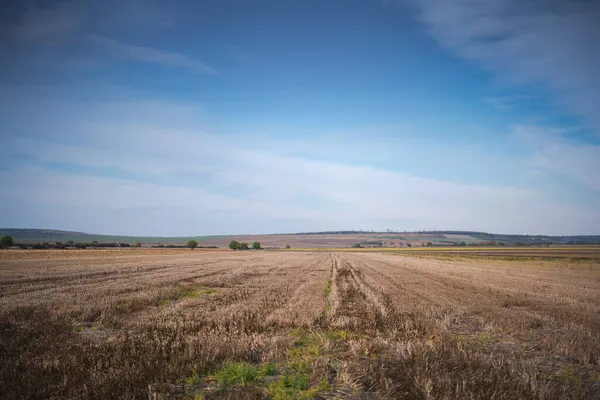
429,244
138,244
287,246
256,245
234,245
243,246
6,241
408,244
356,246
192,244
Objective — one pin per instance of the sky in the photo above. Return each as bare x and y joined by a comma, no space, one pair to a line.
176,118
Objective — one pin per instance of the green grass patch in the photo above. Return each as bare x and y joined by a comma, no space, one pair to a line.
328,287
235,374
243,374
291,379
296,385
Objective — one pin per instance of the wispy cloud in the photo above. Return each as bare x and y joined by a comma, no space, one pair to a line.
344,196
182,179
555,154
507,102
547,43
149,55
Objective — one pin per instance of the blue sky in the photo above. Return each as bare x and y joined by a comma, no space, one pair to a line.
225,117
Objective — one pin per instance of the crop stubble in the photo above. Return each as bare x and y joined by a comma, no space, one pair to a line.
329,325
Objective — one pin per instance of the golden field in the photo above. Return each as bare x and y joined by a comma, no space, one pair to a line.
176,323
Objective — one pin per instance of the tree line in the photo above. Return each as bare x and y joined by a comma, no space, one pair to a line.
235,245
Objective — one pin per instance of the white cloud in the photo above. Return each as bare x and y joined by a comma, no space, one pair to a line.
174,175
552,43
286,193
149,55
554,153
290,194
507,102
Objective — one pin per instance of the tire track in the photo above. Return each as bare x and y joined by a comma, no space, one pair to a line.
355,304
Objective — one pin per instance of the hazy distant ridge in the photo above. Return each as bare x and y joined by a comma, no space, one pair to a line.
52,235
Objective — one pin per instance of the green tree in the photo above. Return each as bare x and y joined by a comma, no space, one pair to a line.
243,246
357,245
234,245
192,244
256,245
6,241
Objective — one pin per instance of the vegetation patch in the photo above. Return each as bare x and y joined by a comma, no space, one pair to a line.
293,378
193,292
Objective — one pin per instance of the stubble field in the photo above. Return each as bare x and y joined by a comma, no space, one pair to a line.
284,325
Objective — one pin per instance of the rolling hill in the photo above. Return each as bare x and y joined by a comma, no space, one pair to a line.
310,239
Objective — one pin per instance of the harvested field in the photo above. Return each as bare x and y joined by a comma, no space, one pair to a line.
257,324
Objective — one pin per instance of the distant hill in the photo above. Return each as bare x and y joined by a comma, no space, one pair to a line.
52,235
39,233
314,239
469,237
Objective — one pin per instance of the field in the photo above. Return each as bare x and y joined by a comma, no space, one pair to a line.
276,240
315,240
176,323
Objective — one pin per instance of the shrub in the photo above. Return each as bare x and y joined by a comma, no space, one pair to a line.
6,241
357,245
234,245
256,245
192,244
243,246
287,246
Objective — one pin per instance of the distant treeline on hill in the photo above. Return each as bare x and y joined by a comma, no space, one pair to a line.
181,246
536,239
39,233
93,245
491,239
69,245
